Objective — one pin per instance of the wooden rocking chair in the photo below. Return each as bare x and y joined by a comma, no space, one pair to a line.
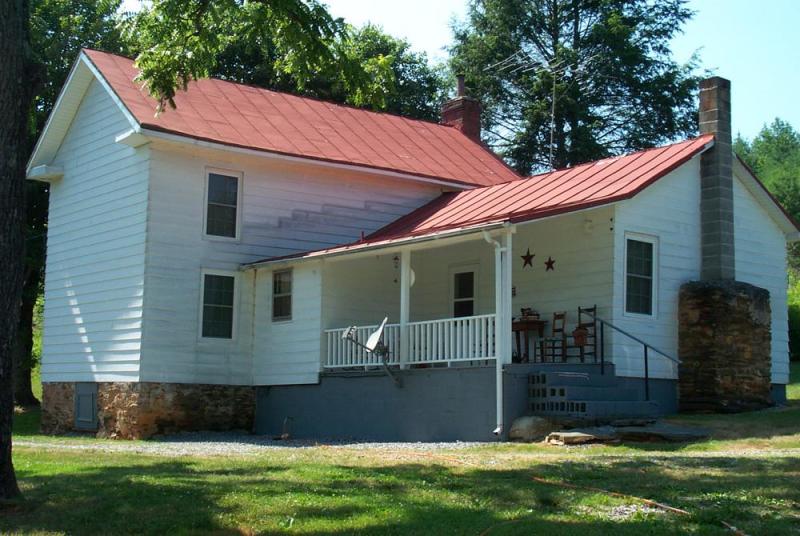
556,345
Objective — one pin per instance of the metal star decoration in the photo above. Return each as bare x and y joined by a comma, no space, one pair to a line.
550,264
527,259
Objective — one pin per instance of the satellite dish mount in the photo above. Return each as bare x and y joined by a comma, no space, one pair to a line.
374,346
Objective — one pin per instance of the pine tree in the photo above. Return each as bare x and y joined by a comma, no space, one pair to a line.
575,79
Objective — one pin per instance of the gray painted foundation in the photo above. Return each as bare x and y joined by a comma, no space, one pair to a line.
778,393
432,405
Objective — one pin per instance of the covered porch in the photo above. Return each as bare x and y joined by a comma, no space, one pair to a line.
508,294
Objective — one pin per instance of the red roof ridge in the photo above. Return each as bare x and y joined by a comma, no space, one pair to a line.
619,156
280,122
292,93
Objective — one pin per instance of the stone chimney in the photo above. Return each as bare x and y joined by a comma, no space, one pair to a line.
716,172
724,325
463,112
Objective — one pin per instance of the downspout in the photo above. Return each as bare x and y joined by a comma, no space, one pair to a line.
498,324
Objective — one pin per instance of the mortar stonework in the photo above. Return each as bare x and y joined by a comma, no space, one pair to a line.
724,344
58,407
135,410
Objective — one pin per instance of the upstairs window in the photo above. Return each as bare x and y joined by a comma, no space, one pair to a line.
282,295
463,293
222,204
219,299
640,275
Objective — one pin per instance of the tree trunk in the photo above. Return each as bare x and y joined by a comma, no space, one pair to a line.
23,349
18,82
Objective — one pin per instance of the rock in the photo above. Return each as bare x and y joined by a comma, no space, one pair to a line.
578,436
659,431
662,431
529,429
632,422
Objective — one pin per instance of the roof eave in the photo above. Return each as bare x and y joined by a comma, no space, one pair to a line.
356,247
151,131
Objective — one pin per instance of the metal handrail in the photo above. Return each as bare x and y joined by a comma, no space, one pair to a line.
646,346
634,337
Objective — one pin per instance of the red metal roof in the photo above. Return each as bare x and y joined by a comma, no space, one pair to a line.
565,190
245,116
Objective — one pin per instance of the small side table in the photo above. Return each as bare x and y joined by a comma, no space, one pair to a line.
522,329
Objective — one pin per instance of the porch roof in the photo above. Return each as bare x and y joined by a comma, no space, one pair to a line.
566,190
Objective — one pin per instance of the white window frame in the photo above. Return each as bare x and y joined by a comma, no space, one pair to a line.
235,322
272,297
239,197
651,239
461,268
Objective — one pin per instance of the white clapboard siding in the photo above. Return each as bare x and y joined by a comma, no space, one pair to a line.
95,258
761,261
360,291
286,208
669,210
287,352
581,245
431,295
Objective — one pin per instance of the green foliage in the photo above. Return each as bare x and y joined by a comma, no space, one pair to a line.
774,156
616,87
59,29
793,300
399,80
181,40
247,42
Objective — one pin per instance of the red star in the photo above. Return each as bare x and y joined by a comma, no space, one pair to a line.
550,264
527,259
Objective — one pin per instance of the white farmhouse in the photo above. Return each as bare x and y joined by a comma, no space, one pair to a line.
204,265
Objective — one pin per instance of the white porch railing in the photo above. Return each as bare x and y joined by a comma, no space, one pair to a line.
434,341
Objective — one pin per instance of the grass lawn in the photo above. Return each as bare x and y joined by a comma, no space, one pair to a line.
746,475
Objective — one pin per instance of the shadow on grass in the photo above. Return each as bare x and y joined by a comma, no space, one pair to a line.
102,494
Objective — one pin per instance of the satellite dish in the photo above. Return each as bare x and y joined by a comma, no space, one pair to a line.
375,338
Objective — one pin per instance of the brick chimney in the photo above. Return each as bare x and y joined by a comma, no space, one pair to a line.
463,112
716,180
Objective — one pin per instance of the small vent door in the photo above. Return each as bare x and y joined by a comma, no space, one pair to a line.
86,406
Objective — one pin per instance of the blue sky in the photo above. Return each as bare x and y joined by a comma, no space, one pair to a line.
754,43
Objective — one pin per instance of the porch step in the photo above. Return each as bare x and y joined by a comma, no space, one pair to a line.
595,410
568,377
560,392
579,392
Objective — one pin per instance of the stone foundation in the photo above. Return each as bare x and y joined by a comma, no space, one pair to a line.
724,346
58,408
128,410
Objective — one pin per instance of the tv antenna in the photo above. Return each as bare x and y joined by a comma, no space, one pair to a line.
558,71
373,346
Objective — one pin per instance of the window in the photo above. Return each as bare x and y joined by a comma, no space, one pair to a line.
463,294
222,201
282,295
219,293
640,273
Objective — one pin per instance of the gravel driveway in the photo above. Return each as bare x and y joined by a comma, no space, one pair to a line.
229,444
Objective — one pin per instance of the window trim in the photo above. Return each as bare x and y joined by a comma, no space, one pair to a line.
277,320
235,321
651,239
239,190
461,268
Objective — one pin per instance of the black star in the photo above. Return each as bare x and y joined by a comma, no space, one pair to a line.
550,264
527,258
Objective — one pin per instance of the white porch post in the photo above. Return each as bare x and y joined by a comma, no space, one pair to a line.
405,305
499,340
508,265
502,301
